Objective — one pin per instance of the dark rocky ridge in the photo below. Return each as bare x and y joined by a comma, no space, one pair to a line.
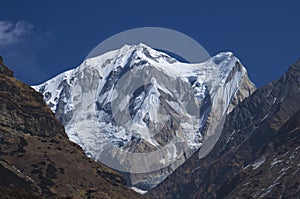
4,69
278,170
252,132
37,160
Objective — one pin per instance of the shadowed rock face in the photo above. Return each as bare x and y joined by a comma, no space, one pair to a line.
37,160
4,69
257,154
274,172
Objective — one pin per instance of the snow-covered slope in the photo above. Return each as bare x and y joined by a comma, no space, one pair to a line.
140,111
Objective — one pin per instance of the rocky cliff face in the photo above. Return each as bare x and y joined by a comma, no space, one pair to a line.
37,160
257,154
275,171
4,69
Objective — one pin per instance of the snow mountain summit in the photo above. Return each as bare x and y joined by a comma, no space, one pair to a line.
144,113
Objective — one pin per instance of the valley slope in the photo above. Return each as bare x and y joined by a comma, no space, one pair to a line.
37,160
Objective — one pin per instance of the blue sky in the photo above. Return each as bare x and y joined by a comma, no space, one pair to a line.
40,39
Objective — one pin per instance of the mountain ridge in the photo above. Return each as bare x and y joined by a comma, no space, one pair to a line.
37,160
246,140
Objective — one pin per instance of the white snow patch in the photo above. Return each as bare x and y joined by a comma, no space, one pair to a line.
275,161
140,191
258,163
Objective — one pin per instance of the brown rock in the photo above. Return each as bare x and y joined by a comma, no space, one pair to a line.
37,160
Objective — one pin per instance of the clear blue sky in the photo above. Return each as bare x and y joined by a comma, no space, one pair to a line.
39,39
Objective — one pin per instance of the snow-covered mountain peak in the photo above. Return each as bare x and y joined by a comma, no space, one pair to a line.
137,99
127,55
